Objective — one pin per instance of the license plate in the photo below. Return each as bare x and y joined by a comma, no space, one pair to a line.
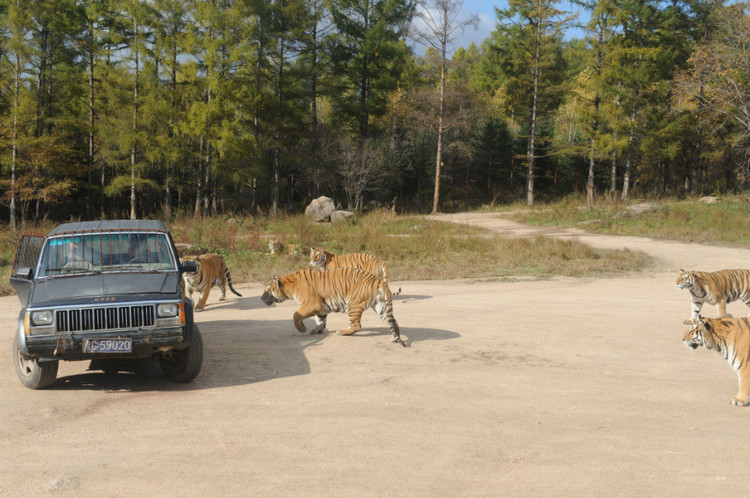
108,345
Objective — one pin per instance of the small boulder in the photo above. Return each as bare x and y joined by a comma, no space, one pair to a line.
320,209
341,216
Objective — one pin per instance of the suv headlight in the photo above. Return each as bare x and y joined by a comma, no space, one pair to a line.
167,310
41,318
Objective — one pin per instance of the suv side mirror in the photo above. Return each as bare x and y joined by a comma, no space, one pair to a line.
188,267
23,273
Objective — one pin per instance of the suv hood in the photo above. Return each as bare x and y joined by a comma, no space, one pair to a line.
92,288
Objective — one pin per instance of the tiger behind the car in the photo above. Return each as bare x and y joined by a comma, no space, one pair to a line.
346,290
211,271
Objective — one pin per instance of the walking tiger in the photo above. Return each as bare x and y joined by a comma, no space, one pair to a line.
346,290
211,271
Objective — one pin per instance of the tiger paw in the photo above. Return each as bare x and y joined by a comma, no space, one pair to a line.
737,402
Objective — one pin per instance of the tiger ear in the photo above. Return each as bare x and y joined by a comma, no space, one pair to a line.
277,281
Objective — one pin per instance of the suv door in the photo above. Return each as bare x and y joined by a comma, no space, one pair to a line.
27,254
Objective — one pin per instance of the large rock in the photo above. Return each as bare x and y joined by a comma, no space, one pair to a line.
341,216
320,209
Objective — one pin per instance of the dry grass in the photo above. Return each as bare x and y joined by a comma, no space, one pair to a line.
413,247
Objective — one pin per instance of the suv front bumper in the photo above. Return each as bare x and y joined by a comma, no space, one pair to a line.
69,346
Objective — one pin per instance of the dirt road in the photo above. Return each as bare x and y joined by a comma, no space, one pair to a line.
559,388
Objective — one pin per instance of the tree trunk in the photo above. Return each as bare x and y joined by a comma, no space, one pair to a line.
441,116
626,179
167,209
91,119
207,182
532,128
199,191
277,134
695,163
590,179
14,152
613,171
135,123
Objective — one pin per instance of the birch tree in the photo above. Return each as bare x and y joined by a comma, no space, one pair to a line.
438,25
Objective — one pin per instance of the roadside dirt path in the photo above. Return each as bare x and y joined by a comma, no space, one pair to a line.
559,388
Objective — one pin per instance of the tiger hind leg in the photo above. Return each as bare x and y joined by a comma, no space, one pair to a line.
223,287
741,399
721,307
355,317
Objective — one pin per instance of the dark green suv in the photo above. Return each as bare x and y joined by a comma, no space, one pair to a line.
103,290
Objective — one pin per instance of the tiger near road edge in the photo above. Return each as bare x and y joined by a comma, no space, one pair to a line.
731,338
719,288
346,290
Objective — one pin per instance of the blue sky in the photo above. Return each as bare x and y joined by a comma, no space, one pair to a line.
487,19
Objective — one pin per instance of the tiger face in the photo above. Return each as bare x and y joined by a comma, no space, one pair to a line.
318,257
694,336
685,280
275,246
273,292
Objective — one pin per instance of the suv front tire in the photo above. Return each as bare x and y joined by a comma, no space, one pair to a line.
32,373
183,365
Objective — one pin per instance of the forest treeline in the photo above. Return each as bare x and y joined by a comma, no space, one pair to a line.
139,108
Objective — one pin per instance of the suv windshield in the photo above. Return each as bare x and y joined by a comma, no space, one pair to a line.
105,252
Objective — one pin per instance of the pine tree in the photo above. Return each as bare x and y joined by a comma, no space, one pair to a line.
533,30
369,54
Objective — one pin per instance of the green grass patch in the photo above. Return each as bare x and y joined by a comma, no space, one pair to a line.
726,222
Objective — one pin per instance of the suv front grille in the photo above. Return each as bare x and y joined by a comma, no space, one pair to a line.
115,317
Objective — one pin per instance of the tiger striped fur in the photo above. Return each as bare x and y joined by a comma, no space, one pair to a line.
320,258
719,288
347,290
731,338
211,271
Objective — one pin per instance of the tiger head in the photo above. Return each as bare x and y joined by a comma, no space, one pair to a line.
694,337
685,280
275,246
274,292
318,257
